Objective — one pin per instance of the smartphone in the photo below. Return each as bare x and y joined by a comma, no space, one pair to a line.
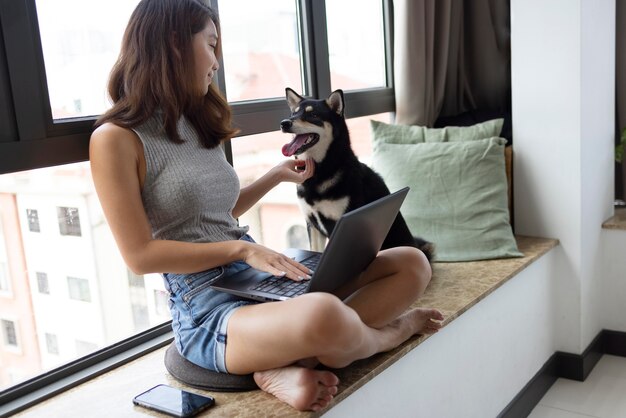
173,402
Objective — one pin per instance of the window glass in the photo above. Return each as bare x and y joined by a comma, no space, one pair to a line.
9,334
42,283
4,277
52,344
79,289
260,48
4,270
33,220
271,218
73,293
80,41
69,221
356,44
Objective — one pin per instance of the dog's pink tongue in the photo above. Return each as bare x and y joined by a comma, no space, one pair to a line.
292,147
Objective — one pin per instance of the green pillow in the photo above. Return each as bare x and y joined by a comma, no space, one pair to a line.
410,134
458,197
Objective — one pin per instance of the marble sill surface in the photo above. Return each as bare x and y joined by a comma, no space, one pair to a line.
454,288
617,221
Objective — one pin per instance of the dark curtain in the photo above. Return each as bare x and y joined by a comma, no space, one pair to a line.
620,93
451,57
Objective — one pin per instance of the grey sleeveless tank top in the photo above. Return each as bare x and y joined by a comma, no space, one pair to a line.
189,191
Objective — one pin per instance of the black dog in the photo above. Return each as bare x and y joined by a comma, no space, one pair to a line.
341,182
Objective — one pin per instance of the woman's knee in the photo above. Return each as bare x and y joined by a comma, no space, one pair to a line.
327,320
413,264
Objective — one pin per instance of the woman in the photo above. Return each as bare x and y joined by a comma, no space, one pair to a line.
172,200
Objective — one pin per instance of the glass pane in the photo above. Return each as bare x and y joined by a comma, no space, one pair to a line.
361,134
79,50
273,218
260,47
356,45
72,292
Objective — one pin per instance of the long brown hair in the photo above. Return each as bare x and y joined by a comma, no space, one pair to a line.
154,72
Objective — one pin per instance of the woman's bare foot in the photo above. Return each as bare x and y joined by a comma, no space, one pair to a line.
422,320
304,389
414,321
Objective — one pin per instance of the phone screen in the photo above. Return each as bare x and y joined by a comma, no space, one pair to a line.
172,401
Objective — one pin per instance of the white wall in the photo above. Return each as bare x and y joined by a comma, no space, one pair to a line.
475,365
563,60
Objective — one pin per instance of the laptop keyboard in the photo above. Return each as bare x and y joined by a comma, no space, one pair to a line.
312,261
282,286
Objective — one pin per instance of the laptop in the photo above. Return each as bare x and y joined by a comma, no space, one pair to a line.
352,246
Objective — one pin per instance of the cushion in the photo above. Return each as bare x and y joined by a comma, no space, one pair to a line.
410,134
199,377
458,198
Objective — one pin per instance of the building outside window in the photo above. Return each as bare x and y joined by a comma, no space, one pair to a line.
9,333
5,284
33,220
4,277
79,289
85,347
69,221
42,283
52,344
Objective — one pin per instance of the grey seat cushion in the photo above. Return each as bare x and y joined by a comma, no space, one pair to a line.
199,377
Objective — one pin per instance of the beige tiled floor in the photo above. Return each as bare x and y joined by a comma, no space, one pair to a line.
601,395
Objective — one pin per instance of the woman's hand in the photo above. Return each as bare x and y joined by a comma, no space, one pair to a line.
295,171
265,259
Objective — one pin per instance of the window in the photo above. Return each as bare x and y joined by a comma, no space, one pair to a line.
69,221
298,237
33,220
260,58
79,289
161,302
4,277
42,283
5,284
138,301
357,57
9,333
85,347
58,57
79,51
52,344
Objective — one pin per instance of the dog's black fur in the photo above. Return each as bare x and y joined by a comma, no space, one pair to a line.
341,182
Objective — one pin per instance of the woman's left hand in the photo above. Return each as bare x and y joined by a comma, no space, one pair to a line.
296,171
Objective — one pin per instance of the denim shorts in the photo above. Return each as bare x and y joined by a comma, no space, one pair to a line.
200,314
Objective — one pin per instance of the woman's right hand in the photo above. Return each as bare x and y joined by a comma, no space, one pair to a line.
265,259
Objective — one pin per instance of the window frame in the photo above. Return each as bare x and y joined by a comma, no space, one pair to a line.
31,139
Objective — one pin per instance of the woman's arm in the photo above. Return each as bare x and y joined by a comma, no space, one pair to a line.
118,169
288,170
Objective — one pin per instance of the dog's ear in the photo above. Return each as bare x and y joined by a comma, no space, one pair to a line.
335,102
293,99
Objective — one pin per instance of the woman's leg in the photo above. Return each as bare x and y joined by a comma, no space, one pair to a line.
390,285
320,326
272,336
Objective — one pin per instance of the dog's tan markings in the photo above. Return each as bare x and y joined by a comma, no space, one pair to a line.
322,188
308,109
296,109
